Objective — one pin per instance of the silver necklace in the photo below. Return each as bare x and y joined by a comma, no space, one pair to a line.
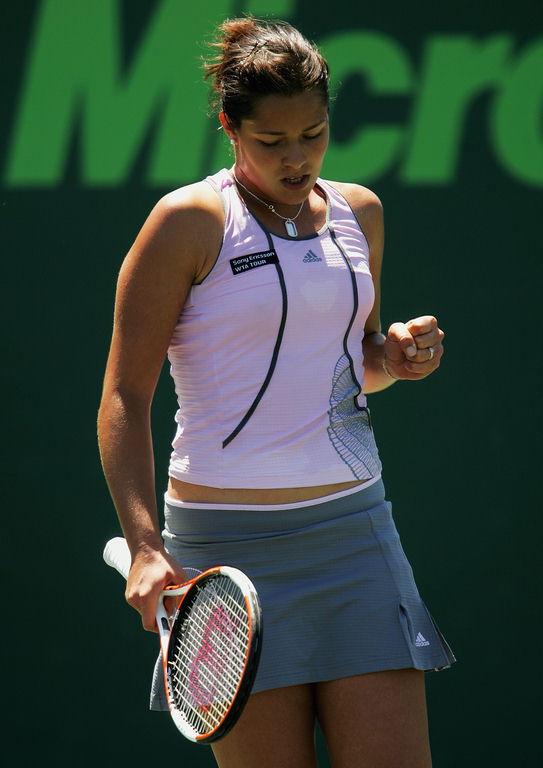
290,226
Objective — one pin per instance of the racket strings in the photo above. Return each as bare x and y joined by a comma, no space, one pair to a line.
209,654
206,675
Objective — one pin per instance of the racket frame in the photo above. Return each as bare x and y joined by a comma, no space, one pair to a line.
252,654
117,555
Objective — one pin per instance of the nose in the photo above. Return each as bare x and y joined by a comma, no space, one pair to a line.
294,156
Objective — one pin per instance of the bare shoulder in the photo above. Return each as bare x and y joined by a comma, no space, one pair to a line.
199,200
365,203
196,209
185,228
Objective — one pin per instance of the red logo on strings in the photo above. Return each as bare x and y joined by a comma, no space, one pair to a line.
210,661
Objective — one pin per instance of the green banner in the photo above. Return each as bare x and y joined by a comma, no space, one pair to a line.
76,83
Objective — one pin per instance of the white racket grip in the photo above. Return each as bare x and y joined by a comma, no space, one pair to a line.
117,555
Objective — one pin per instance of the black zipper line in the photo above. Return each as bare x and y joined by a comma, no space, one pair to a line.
275,354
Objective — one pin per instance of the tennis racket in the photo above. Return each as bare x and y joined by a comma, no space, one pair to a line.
210,647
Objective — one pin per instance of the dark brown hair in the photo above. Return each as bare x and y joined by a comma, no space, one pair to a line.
260,58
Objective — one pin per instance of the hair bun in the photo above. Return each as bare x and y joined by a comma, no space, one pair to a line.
235,30
259,58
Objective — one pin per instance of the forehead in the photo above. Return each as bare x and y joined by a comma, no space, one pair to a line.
282,114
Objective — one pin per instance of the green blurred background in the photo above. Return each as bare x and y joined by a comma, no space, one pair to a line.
439,108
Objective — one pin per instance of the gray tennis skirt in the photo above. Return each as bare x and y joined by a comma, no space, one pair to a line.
337,592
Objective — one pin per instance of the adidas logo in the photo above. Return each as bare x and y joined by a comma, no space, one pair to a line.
310,256
421,641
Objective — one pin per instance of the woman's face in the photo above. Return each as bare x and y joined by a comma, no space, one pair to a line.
280,148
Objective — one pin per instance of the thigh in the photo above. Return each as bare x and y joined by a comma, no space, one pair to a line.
276,730
376,720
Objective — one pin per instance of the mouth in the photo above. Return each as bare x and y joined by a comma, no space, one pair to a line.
295,182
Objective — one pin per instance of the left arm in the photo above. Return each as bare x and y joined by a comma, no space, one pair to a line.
411,350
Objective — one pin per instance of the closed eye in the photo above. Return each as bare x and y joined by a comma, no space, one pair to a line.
276,143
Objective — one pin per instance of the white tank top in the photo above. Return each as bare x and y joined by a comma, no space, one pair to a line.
267,356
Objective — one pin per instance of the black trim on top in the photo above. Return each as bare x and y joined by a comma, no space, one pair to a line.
355,217
321,231
355,310
275,354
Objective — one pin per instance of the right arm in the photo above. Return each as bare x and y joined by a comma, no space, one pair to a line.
174,249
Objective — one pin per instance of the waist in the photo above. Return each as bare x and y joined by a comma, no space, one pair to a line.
179,490
205,522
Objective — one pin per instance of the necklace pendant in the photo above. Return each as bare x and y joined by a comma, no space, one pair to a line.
290,226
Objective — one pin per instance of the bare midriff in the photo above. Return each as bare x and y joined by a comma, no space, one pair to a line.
203,494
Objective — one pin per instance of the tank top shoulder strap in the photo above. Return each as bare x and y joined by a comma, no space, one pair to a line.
338,203
340,208
223,185
237,221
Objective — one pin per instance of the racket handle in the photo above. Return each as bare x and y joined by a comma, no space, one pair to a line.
117,555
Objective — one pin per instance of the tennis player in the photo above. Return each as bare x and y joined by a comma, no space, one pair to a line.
262,285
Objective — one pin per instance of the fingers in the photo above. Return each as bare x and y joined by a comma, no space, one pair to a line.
144,600
149,574
414,349
421,325
170,604
427,336
426,361
401,343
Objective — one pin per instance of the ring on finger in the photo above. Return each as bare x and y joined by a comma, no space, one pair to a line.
432,353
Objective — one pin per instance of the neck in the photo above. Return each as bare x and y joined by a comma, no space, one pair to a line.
254,192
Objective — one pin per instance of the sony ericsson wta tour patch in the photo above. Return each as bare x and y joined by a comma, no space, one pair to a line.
253,260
